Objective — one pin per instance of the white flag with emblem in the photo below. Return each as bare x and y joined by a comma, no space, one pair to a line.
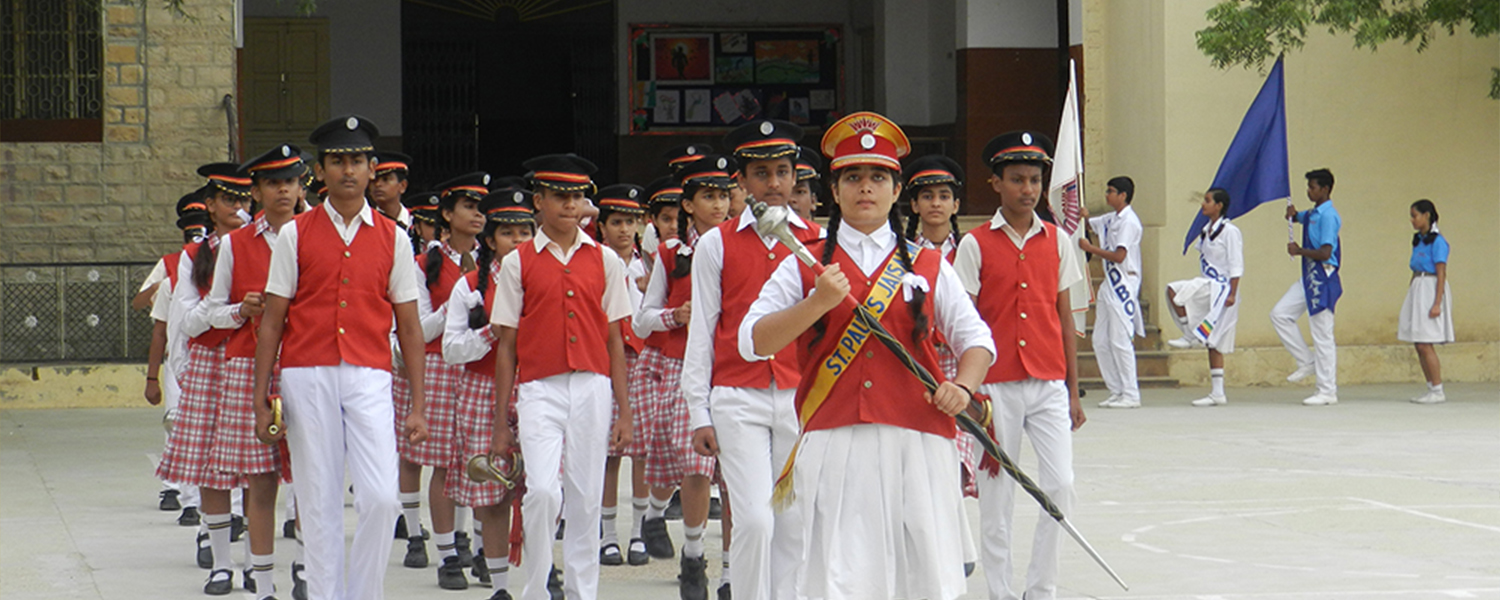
1065,195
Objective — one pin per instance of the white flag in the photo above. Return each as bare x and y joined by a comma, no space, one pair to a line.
1066,195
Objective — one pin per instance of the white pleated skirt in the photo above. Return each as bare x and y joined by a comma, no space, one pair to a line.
883,514
1414,325
1194,295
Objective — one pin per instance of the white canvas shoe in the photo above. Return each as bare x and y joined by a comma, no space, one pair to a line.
1182,343
1431,398
1320,400
1211,400
1301,373
1110,400
1123,403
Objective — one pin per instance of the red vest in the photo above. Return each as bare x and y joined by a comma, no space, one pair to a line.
213,337
448,274
170,262
485,365
252,263
563,327
1018,298
632,341
342,312
673,342
874,387
747,266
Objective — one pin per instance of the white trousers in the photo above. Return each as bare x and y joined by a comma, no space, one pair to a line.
1324,354
1040,409
564,435
757,429
1114,349
337,418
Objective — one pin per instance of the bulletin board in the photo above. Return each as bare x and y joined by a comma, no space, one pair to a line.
687,78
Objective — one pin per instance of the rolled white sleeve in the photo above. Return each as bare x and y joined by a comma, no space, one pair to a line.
616,298
185,301
158,274
966,264
698,360
432,318
403,282
653,315
220,312
1234,245
956,316
507,309
782,291
161,301
1069,267
460,343
281,279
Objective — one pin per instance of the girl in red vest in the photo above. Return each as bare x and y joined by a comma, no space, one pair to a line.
1018,268
618,227
569,297
444,264
426,225
234,304
656,381
469,341
339,274
186,460
877,473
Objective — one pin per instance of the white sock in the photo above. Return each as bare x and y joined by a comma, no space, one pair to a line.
218,539
1217,377
263,571
499,572
658,508
607,521
411,508
461,518
724,577
445,545
1436,389
640,506
692,545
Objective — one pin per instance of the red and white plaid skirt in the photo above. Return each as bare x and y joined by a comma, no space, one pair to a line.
472,437
440,381
656,381
186,458
968,447
637,446
236,450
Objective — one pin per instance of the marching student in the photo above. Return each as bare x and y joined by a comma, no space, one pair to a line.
1316,292
389,185
186,459
469,340
1206,308
652,236
740,411
1117,316
161,383
337,277
804,200
233,304
1427,312
662,197
569,297
1018,268
657,379
877,471
442,266
618,228
425,228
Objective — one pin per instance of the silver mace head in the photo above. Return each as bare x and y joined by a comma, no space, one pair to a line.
776,222
508,473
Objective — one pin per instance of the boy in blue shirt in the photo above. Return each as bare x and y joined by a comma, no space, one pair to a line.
1316,292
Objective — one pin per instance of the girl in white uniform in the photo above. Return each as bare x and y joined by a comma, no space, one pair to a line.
1427,313
1205,307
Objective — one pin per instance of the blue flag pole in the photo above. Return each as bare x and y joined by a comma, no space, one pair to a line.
1255,168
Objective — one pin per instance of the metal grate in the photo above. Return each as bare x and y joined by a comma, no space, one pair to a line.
439,109
56,313
51,55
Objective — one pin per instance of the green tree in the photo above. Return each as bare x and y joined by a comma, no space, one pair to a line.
1249,32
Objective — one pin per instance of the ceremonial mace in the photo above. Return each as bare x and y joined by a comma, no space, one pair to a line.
773,221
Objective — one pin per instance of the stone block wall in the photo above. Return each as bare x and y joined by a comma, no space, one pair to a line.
165,77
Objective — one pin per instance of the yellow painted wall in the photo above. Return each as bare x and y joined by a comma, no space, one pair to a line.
1393,126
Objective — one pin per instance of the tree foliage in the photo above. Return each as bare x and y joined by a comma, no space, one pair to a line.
1249,32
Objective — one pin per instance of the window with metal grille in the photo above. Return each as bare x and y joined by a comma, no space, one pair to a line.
51,57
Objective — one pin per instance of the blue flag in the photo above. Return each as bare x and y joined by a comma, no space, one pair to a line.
1255,169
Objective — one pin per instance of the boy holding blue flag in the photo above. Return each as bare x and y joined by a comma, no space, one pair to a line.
1316,292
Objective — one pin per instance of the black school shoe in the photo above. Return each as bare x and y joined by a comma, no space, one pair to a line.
416,553
236,527
289,529
555,584
462,547
693,581
205,552
674,508
189,517
715,509
636,554
450,575
658,541
169,500
724,592
609,555
299,585
501,594
401,532
481,572
219,586
247,581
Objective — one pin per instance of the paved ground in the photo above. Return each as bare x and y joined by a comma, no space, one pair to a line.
1260,499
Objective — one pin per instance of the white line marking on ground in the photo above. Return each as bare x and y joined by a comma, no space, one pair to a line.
1418,513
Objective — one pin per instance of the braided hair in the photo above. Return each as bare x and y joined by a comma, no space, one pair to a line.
432,262
203,261
477,318
914,220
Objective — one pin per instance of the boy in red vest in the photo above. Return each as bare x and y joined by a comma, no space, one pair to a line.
567,294
1018,269
743,411
338,275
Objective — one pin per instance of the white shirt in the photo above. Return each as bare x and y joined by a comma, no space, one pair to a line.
954,314
653,314
185,300
462,344
1121,230
282,281
1225,253
968,260
707,299
216,307
158,274
509,294
432,317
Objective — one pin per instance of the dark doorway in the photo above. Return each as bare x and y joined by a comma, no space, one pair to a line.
486,92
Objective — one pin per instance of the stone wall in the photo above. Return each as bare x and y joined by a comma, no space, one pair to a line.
165,77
